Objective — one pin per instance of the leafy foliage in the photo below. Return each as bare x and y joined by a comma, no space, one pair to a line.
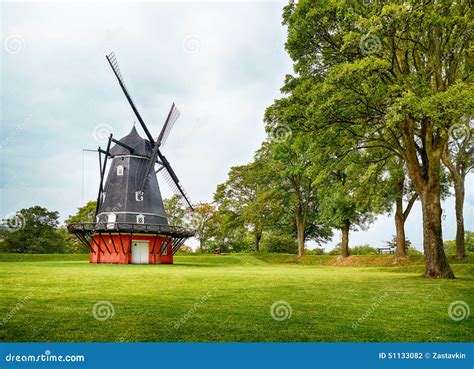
279,242
177,212
393,242
203,220
243,200
85,214
36,232
363,250
450,245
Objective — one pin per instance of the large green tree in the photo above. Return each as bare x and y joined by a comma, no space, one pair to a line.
230,233
396,75
244,198
34,230
350,196
290,180
203,220
84,214
177,212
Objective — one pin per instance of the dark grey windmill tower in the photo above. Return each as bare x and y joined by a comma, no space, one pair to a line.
131,224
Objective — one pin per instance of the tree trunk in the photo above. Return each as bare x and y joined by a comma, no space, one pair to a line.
458,176
401,217
258,237
435,259
300,231
459,206
401,248
345,239
426,178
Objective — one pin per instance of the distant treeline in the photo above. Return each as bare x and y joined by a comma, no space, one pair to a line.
37,230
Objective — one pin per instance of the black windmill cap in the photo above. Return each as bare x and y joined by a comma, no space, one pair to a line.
141,146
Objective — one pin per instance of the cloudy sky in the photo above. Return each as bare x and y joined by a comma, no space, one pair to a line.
222,63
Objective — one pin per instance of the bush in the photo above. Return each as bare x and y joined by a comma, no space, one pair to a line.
184,249
450,246
72,245
411,251
273,242
316,251
362,250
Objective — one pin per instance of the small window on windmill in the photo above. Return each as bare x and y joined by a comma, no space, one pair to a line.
111,218
140,219
139,195
120,170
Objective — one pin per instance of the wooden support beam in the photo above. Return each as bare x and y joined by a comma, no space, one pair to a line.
98,245
165,245
113,243
121,242
154,244
105,243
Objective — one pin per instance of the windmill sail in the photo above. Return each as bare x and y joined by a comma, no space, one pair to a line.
173,182
114,65
173,115
149,169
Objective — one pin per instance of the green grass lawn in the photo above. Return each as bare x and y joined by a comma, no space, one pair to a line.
228,298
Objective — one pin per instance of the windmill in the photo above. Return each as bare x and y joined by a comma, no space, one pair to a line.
131,225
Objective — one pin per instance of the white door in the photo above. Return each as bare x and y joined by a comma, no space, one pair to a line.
139,252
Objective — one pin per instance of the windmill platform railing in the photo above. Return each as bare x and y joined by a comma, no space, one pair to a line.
174,235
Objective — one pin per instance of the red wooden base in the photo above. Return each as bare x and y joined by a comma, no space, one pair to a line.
117,249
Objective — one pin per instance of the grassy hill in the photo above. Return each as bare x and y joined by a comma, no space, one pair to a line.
230,298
